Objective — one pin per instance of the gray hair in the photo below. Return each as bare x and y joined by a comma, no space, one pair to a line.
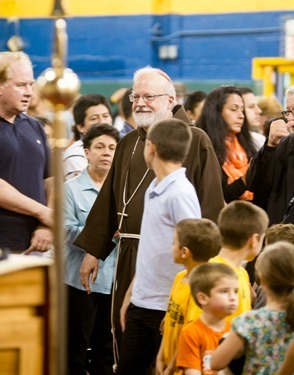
290,91
149,69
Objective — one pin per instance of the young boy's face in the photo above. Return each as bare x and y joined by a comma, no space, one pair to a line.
177,250
223,299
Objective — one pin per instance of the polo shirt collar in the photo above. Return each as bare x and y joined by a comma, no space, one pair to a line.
157,189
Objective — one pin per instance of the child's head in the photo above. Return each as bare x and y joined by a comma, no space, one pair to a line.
275,233
280,232
240,222
198,237
276,272
215,286
170,138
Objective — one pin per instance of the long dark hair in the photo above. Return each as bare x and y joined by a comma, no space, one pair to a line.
213,123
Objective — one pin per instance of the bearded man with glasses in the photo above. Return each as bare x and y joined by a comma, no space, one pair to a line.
119,205
271,172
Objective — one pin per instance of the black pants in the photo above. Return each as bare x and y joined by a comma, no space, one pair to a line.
140,340
89,327
126,267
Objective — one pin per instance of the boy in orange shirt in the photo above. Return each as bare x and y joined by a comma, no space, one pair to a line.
195,242
214,287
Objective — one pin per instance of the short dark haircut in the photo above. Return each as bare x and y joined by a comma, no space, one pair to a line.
82,104
205,277
172,139
193,99
245,90
238,221
126,104
98,130
280,232
200,236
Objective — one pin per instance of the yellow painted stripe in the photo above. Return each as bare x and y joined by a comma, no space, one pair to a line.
33,8
25,8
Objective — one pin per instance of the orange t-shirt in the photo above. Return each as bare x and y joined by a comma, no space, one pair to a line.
196,344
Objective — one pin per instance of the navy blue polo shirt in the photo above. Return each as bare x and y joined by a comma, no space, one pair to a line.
24,163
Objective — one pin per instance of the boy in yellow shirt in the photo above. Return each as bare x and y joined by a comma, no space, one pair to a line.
195,242
242,226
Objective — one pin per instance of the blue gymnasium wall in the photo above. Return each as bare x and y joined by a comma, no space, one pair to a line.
212,48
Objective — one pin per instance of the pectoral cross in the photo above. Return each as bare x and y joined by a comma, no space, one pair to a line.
122,215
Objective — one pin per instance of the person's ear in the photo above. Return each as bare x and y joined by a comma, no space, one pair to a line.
86,150
171,101
251,240
255,240
152,148
147,143
202,298
185,252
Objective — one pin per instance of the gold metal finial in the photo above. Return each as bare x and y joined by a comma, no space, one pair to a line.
60,45
59,84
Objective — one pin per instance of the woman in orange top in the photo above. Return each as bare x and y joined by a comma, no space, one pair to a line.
223,119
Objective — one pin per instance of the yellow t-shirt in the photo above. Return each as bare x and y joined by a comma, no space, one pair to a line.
181,310
244,287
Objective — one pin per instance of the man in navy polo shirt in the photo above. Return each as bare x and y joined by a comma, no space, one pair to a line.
24,162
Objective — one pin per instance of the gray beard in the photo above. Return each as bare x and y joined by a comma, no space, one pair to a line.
144,120
147,119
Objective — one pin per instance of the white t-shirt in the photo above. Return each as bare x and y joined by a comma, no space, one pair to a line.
74,160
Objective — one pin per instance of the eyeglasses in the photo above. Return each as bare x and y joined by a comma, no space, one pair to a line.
287,113
146,98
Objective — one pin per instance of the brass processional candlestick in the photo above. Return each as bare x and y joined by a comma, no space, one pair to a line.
59,85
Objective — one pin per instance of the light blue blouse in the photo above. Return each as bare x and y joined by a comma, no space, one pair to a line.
80,194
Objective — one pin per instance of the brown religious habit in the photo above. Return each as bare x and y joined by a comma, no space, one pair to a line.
120,203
